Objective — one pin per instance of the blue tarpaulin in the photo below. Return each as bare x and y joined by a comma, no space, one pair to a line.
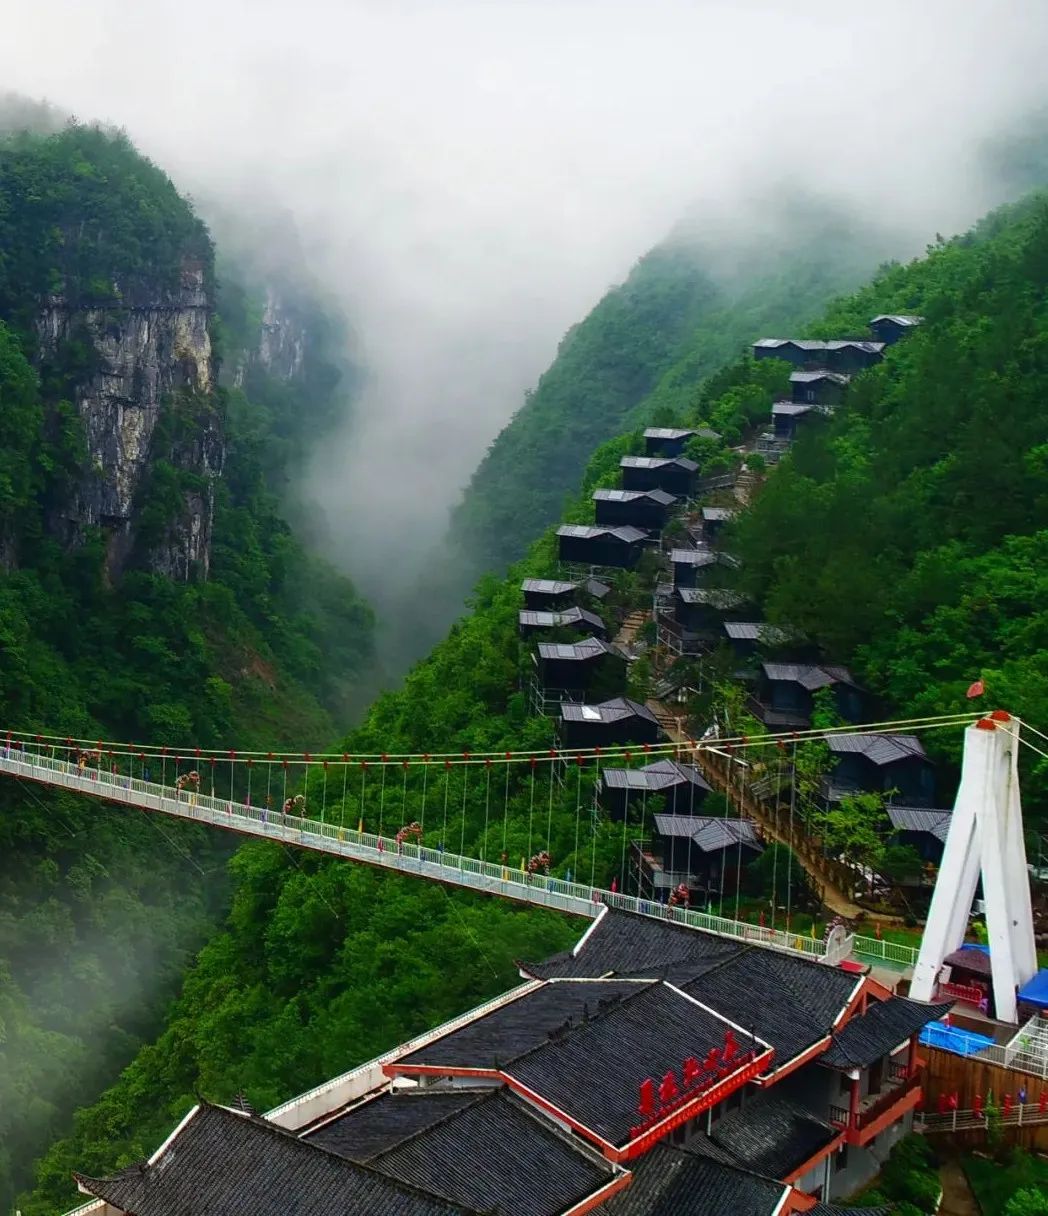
952,1038
1035,991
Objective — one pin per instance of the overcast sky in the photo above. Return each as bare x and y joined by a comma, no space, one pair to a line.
468,177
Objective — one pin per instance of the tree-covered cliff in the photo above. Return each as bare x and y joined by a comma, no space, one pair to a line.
150,587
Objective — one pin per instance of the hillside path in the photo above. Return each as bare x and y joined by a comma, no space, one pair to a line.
837,900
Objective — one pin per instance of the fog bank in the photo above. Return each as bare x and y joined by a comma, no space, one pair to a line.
468,177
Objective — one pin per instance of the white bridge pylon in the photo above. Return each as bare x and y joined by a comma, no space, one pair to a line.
985,838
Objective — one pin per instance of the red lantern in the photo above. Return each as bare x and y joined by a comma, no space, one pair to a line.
977,1107
1006,1109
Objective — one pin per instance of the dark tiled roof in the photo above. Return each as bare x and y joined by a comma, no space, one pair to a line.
547,586
614,710
720,598
658,462
717,514
800,999
594,1073
878,749
755,631
662,775
520,1025
920,819
880,1030
676,1182
384,1121
227,1164
581,651
623,944
657,496
793,409
709,833
900,318
809,675
495,1155
971,958
790,1002
537,619
812,377
769,1135
628,536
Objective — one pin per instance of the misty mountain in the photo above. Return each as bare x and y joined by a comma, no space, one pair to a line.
150,585
323,964
685,308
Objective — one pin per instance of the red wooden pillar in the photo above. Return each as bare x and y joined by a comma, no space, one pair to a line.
853,1103
911,1059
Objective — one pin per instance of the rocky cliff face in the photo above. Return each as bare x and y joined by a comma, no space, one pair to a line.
281,348
147,348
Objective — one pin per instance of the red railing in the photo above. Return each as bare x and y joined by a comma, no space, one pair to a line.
887,1100
961,992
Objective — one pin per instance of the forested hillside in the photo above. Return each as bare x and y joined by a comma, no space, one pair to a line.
902,536
184,610
908,534
686,307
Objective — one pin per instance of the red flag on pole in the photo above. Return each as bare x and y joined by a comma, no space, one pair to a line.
975,690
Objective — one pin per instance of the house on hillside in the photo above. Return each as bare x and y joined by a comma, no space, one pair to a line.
885,764
573,669
698,1074
818,388
890,327
702,610
645,509
785,697
713,521
681,787
696,852
619,548
923,829
618,721
578,620
788,416
675,475
747,637
801,352
692,567
847,355
671,440
851,356
549,594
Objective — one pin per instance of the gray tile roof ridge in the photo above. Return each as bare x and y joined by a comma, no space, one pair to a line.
290,1138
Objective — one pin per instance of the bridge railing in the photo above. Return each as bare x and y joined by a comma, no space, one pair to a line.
544,890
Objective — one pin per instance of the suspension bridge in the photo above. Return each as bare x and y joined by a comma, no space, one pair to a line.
124,774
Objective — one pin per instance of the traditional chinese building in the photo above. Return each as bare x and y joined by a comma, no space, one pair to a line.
681,787
653,1069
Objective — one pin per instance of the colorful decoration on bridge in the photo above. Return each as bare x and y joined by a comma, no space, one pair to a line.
410,831
679,896
540,863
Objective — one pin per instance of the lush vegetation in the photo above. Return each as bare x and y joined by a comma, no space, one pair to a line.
907,534
100,911
685,309
1016,1186
890,537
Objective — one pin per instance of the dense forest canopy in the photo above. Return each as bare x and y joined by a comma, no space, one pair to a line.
100,912
889,536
